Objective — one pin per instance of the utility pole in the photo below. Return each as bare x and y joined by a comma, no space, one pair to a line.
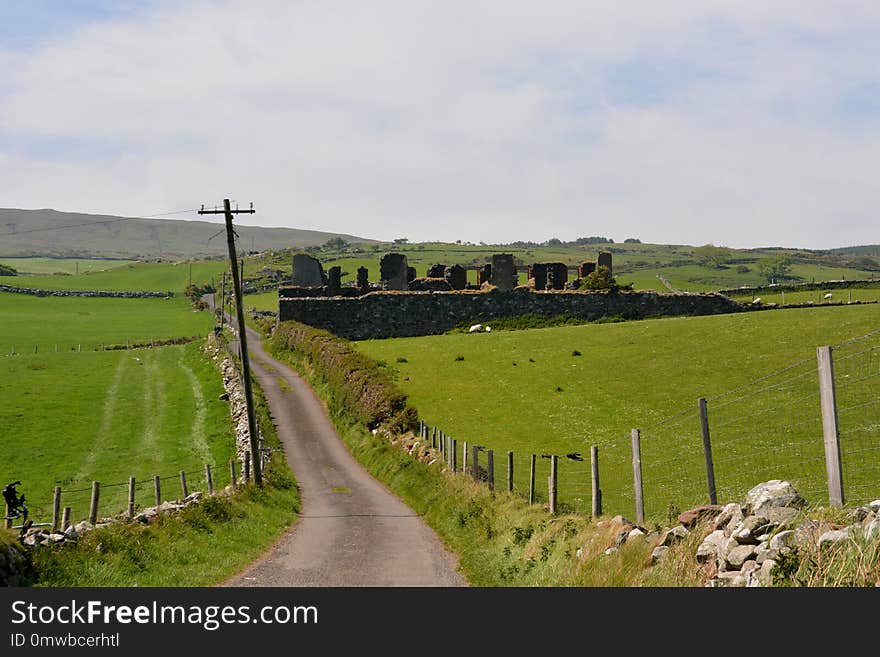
242,336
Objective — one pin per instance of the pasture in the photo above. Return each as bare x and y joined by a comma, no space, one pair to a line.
816,297
561,390
62,265
71,418
28,321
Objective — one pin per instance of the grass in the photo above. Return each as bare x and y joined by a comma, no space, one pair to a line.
90,322
62,265
106,416
640,374
135,276
814,296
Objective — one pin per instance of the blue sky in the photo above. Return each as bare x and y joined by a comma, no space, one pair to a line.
688,122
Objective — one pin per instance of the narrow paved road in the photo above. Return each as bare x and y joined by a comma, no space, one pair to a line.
352,531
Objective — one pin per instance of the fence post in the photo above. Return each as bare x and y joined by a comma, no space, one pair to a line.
183,486
637,475
554,460
532,480
454,455
594,475
464,458
131,482
157,484
490,468
93,505
474,462
707,451
247,467
56,508
434,438
232,480
828,397
8,522
509,472
65,519
209,479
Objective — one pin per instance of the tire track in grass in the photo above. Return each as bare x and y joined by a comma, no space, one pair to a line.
105,427
199,441
154,410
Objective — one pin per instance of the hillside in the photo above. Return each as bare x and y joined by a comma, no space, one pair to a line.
69,234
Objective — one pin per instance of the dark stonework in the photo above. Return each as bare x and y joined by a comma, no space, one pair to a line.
604,260
550,275
363,280
586,269
334,280
457,277
436,271
429,285
484,274
503,274
379,315
307,271
410,274
393,271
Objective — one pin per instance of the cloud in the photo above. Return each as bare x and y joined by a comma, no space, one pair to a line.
687,122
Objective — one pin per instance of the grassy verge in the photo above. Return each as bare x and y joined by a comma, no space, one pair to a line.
200,546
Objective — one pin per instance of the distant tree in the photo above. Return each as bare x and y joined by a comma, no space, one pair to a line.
713,256
554,241
594,240
865,263
777,269
632,240
335,243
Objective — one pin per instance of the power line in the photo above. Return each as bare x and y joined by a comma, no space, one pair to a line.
95,223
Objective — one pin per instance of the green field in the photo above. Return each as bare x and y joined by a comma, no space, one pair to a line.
527,392
62,265
71,418
88,322
813,296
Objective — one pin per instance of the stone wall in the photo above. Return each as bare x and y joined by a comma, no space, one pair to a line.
404,314
83,293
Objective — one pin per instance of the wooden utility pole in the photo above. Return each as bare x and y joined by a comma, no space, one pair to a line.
242,336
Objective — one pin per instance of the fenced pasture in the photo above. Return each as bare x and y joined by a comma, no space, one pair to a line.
564,390
74,417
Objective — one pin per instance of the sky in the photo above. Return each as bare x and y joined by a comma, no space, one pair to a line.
735,123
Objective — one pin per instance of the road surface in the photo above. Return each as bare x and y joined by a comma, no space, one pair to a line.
352,530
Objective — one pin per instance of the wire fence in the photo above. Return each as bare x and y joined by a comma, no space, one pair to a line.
718,448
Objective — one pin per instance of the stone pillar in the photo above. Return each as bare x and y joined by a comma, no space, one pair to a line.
457,277
393,271
334,281
503,272
436,271
410,274
484,274
604,260
307,271
363,281
586,269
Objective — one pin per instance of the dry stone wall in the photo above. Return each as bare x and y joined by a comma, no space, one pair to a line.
406,314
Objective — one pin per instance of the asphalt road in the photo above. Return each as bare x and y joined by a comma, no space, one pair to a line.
352,530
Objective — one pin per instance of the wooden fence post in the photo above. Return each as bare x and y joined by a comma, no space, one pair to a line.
828,398
637,475
157,484
131,482
532,480
65,519
232,479
56,508
454,455
183,486
93,505
707,452
208,479
554,461
475,462
509,472
464,457
490,468
594,475
247,467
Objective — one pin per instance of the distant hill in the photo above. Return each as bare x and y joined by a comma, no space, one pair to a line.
872,250
70,234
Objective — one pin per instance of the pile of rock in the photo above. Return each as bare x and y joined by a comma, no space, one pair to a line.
746,539
39,536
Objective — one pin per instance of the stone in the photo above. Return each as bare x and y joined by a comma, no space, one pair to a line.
503,273
410,274
83,526
586,269
430,285
549,275
658,553
71,532
393,271
484,275
691,517
675,535
874,506
782,515
730,516
436,271
334,280
636,532
834,536
746,530
604,260
736,557
610,551
782,539
731,579
456,276
767,555
363,280
808,532
57,538
710,548
307,271
772,494
764,575
872,530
